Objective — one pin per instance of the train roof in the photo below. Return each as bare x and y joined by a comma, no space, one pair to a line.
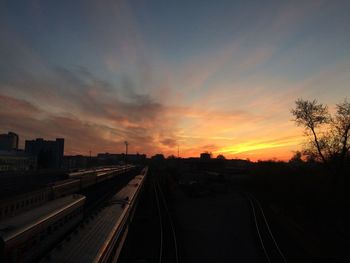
91,171
129,191
104,172
13,226
81,173
63,182
85,245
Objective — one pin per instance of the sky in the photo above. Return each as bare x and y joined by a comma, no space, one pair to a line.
217,76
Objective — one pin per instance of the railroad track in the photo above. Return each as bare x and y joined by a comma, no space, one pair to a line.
269,245
168,247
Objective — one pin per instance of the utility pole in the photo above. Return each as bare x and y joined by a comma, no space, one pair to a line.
178,151
126,153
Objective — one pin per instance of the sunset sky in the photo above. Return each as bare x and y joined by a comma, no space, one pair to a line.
218,76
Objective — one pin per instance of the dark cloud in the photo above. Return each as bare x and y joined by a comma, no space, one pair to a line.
74,92
169,142
43,99
80,107
81,136
10,105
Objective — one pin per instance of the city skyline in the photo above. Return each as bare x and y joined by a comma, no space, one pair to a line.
205,77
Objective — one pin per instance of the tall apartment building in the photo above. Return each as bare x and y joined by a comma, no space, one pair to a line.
49,154
9,141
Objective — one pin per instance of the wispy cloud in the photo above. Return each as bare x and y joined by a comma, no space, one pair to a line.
97,81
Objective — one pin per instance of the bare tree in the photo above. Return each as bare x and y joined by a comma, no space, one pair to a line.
341,129
328,136
221,157
312,116
296,158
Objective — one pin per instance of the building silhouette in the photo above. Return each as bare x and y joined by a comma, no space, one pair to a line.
16,161
49,154
115,158
76,161
205,156
9,141
158,157
12,158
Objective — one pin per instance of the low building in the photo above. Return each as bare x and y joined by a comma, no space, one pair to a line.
109,158
205,156
115,158
75,161
158,157
17,161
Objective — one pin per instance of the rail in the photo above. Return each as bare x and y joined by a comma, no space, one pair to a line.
164,220
269,245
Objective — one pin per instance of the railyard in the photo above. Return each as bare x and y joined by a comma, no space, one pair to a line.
30,230
132,214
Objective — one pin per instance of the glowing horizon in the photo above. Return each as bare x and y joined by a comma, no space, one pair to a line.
209,77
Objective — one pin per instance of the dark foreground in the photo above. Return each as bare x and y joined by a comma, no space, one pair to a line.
214,223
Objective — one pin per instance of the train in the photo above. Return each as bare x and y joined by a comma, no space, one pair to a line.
75,182
101,236
80,180
26,237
